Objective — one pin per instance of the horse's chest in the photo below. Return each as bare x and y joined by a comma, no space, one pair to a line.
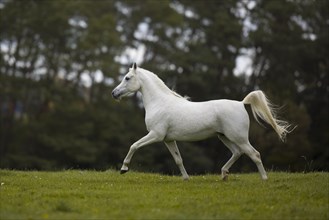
155,120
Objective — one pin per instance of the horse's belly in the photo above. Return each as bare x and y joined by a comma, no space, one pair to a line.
192,124
189,134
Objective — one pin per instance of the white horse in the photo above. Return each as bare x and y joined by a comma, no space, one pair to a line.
170,117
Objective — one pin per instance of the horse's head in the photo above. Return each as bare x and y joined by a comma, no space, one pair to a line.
128,85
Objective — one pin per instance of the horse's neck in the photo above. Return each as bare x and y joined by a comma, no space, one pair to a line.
152,90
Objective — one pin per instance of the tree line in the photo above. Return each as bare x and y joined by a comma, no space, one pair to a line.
61,59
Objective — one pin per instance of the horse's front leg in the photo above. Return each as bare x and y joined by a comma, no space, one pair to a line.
150,138
172,147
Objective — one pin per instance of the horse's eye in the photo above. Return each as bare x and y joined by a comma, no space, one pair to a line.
127,78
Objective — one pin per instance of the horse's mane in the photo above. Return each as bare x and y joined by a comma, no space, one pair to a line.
160,83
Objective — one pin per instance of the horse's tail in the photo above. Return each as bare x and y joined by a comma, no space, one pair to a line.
262,108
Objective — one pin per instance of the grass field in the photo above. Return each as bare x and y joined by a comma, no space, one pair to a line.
77,194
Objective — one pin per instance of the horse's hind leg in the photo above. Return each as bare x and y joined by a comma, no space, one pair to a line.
236,153
172,147
254,155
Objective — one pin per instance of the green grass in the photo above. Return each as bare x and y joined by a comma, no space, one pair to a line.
108,195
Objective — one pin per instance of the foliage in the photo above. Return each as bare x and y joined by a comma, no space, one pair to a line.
61,59
99,195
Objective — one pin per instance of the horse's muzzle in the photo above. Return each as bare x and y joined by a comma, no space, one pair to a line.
115,94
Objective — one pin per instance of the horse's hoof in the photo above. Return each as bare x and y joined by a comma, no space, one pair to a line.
225,175
186,178
123,171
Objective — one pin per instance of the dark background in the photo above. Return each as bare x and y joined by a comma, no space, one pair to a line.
60,60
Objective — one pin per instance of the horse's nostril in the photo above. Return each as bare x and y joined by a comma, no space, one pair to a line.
114,94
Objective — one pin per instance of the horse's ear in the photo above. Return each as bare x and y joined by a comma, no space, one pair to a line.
134,66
